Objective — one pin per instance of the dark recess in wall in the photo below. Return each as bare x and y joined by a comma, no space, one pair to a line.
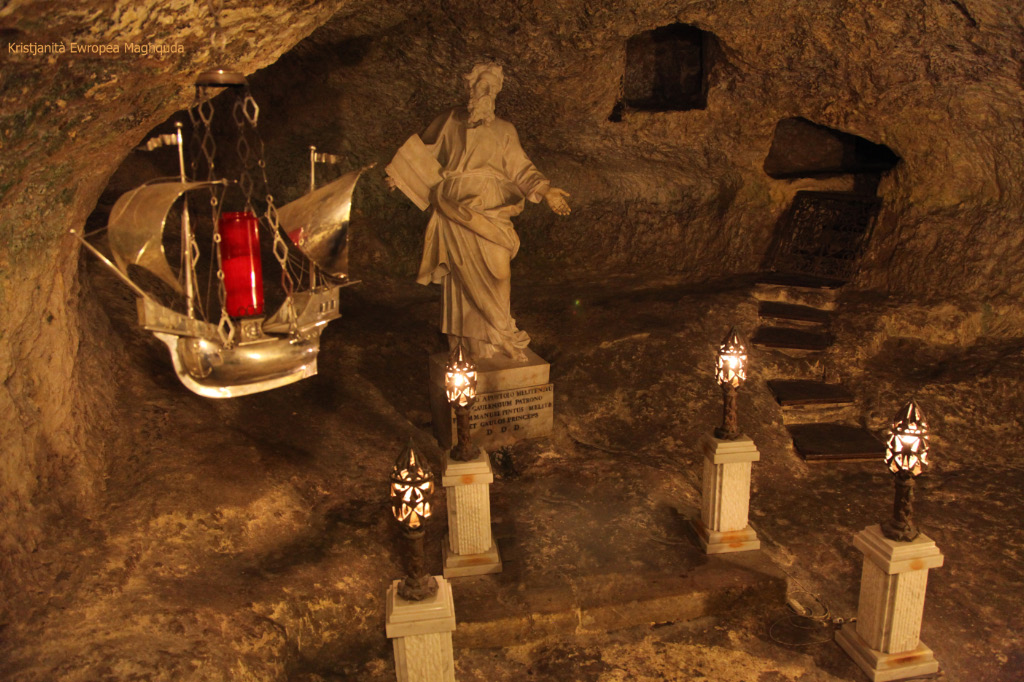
666,70
801,149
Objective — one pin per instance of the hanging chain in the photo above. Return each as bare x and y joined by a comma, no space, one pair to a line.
252,180
251,155
201,115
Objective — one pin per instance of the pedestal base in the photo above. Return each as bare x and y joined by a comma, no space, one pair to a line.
725,496
893,581
514,401
881,667
421,633
460,565
720,542
469,548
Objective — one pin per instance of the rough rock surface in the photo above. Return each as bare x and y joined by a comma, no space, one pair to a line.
680,194
258,547
67,121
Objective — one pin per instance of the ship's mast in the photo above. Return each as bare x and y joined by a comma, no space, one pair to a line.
187,245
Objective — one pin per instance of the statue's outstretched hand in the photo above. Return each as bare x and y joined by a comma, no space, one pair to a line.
390,182
556,200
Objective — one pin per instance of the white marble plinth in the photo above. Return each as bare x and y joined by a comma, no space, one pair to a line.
720,542
885,641
725,498
882,667
481,563
469,548
514,401
421,633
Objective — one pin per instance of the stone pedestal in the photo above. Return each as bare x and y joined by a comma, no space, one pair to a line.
884,641
725,500
469,548
514,401
421,632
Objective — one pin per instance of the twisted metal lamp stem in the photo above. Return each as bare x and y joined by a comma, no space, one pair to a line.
419,584
729,430
901,526
463,450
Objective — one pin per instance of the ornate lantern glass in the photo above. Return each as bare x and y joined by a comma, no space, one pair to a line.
906,449
731,368
460,378
412,485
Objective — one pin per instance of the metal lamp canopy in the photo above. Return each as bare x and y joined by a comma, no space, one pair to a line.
731,367
412,485
460,377
906,454
906,449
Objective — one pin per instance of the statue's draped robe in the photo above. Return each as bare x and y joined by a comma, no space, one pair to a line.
470,241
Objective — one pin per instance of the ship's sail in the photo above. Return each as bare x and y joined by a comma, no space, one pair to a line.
318,223
136,227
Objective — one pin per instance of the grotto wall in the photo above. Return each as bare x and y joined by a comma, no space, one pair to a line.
67,121
676,194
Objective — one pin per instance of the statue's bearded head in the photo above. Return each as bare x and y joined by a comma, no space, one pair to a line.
484,81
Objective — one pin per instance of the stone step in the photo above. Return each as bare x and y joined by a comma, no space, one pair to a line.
789,393
781,363
497,611
799,291
813,402
835,442
792,315
795,279
789,338
592,546
820,414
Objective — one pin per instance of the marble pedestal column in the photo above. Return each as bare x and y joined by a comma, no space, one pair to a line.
885,639
725,499
421,633
469,548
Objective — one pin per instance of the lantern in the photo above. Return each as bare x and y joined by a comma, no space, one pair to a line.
731,372
906,455
460,378
731,367
412,486
907,446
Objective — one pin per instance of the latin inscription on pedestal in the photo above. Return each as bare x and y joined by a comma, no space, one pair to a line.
519,413
498,417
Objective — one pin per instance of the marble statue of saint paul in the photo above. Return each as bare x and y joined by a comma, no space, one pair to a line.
470,170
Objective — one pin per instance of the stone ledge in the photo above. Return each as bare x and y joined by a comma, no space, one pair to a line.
499,612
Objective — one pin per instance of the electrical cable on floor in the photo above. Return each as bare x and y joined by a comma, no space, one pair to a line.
799,625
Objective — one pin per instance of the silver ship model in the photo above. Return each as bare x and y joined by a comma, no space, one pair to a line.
234,356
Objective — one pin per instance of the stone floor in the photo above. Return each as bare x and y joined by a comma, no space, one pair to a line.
248,539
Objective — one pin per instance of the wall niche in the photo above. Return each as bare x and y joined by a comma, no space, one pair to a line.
803,149
666,70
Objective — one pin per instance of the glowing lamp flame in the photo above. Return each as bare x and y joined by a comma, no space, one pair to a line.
906,449
412,485
731,367
460,378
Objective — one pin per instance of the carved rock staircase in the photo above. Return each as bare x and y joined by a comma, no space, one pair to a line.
795,313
